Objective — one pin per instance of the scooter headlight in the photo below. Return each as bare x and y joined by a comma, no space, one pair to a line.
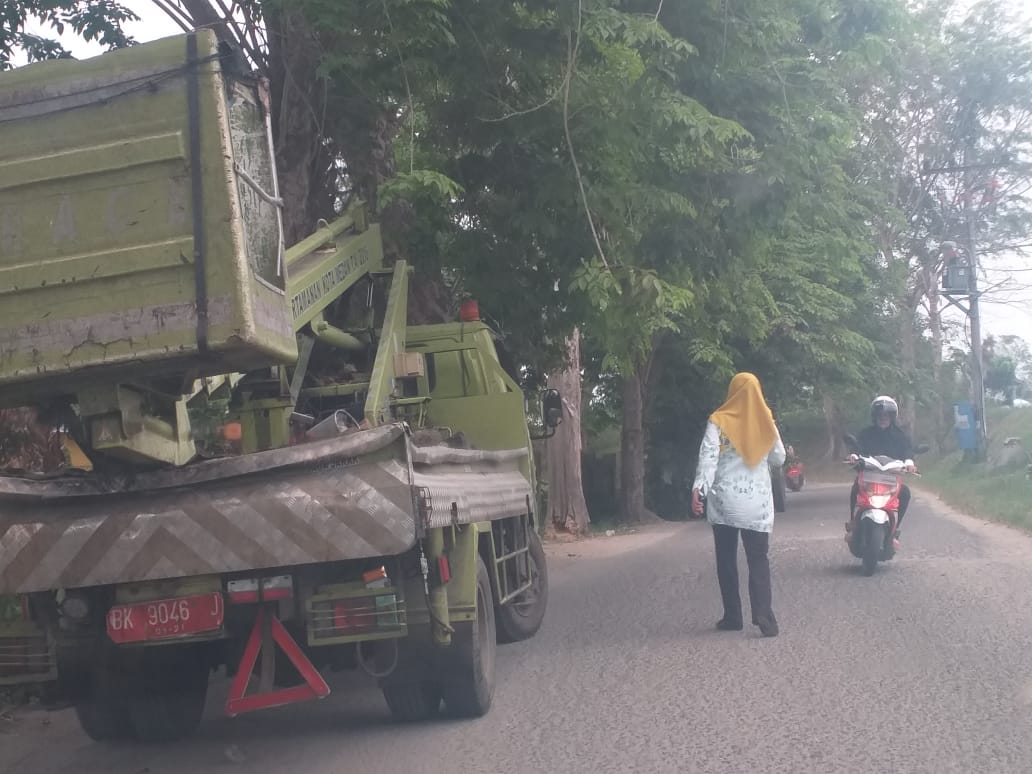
879,501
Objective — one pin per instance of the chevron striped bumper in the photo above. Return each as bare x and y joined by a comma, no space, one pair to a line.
345,498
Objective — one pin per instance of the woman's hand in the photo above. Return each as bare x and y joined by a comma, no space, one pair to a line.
697,507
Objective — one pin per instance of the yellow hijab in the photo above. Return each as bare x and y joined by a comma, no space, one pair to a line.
746,419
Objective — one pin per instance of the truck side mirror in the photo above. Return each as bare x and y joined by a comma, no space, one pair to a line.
851,443
551,408
921,448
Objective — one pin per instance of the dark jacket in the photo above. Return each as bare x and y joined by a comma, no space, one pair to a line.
890,442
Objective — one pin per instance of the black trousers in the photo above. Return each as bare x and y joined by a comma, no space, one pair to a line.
756,544
904,501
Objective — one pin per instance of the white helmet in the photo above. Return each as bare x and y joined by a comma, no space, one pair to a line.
883,404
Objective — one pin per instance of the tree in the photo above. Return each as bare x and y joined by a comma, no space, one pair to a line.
1001,377
787,294
946,142
566,506
1008,366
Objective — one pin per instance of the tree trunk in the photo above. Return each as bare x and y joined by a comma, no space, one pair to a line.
632,451
907,397
566,506
939,423
618,474
833,425
429,300
297,103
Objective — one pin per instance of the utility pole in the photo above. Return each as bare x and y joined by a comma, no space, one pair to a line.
973,313
953,290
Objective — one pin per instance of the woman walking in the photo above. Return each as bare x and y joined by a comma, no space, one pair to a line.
733,476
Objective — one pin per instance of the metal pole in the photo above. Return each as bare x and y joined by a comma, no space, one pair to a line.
976,323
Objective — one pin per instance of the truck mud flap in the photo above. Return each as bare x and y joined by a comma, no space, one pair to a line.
318,502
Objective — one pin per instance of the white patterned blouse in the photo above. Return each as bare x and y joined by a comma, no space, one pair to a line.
736,495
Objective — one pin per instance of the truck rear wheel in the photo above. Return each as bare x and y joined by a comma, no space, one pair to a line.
413,701
167,695
469,683
521,618
103,709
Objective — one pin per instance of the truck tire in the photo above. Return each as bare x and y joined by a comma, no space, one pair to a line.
103,710
469,682
521,618
412,701
167,696
104,721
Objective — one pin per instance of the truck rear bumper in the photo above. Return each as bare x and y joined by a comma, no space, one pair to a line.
321,502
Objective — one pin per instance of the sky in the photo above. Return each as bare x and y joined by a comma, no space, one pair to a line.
1004,311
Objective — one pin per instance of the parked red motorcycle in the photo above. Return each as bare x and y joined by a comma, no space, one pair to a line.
794,476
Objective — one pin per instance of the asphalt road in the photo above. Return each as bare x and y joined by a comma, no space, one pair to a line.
923,668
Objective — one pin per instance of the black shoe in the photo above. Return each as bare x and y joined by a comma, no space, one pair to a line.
768,627
726,625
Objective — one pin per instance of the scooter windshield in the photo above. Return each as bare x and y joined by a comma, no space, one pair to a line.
874,477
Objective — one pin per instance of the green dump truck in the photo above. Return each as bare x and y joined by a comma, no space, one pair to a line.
268,470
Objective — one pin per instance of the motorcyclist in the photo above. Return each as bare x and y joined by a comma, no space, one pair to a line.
884,438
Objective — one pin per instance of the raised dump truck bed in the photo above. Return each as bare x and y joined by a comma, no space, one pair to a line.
139,233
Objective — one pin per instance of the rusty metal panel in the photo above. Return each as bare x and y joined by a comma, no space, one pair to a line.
316,503
463,486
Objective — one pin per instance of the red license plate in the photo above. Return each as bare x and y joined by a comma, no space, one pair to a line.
165,618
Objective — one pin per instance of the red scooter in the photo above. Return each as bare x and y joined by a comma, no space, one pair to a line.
794,477
870,530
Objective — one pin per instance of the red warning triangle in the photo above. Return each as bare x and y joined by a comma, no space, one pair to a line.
314,687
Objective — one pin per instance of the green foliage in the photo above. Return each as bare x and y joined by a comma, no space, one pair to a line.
1001,375
97,21
634,306
1014,349
420,184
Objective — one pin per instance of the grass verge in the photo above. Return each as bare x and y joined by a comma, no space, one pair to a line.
998,489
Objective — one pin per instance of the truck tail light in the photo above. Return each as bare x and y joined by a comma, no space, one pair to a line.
469,311
250,590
